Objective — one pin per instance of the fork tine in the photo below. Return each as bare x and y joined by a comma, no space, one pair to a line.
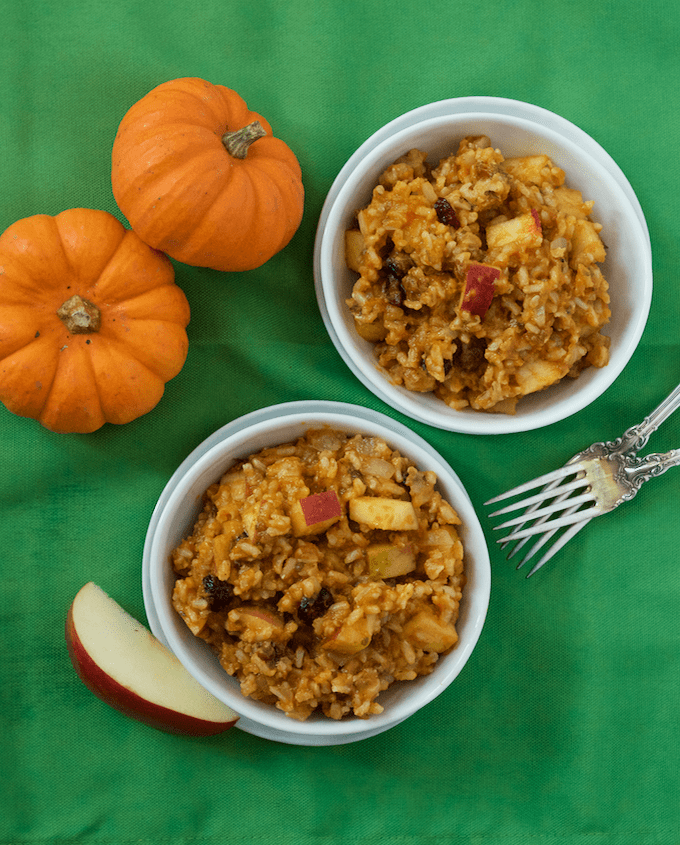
551,486
556,475
539,543
560,522
549,509
543,496
532,551
563,540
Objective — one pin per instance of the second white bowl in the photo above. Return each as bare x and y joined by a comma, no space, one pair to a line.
628,267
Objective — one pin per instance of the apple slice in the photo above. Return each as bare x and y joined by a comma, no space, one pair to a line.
124,665
537,375
255,624
523,232
480,286
386,560
531,168
426,631
354,246
586,242
349,639
570,202
315,513
373,332
443,537
387,514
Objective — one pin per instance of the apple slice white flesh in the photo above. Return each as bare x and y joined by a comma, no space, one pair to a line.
123,664
316,513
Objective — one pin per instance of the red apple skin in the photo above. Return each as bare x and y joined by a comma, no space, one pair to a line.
321,507
316,513
479,288
128,702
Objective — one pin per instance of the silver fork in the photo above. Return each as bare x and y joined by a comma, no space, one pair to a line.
592,482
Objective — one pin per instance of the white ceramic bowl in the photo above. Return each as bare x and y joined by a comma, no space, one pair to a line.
175,515
516,129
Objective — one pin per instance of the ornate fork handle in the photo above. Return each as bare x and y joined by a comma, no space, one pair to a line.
635,437
632,471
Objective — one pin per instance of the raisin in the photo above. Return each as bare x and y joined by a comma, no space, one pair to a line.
468,357
312,608
387,248
219,593
393,270
394,292
397,264
305,638
446,214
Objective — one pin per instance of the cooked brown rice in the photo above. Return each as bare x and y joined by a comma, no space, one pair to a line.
414,244
308,618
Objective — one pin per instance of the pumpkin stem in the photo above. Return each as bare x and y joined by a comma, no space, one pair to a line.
80,316
237,143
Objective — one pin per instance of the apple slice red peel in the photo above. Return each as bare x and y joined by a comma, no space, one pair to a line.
480,281
123,664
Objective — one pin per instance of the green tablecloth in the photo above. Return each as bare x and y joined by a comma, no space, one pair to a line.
564,726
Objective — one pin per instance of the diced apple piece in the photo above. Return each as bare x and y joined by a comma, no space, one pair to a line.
349,638
250,516
354,246
221,547
124,665
427,631
537,375
570,201
523,232
388,561
315,514
480,286
387,514
505,406
443,537
586,241
527,168
255,624
235,486
373,332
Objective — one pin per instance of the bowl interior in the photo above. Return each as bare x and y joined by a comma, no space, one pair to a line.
178,516
627,268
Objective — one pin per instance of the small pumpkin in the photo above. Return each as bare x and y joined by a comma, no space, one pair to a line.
201,177
92,324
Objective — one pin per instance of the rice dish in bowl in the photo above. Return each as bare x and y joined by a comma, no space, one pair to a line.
479,277
367,610
321,571
417,360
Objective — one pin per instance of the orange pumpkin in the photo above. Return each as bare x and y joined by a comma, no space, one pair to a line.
92,324
201,177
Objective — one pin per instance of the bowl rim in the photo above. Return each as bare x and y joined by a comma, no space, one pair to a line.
530,118
321,732
502,106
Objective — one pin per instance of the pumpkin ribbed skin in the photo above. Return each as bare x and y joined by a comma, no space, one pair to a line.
70,372
184,194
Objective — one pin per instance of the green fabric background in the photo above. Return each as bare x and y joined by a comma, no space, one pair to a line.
564,725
